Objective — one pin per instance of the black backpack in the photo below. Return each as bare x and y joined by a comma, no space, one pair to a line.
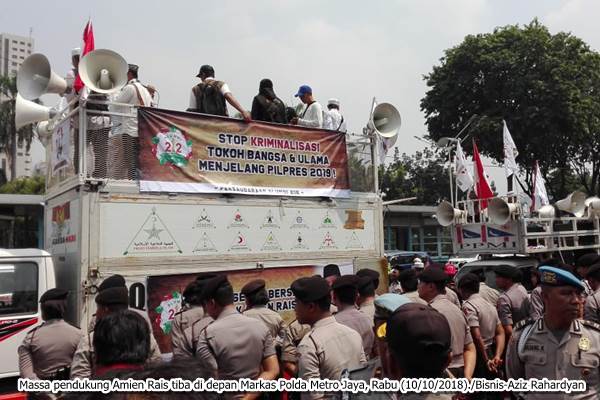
274,108
209,99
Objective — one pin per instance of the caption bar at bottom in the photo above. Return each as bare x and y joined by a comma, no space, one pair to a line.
404,385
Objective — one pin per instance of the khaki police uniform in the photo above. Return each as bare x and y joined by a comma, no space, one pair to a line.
591,312
183,320
536,303
352,318
414,297
234,345
481,314
271,319
326,351
294,333
512,305
535,352
453,297
368,308
461,334
489,294
48,348
191,336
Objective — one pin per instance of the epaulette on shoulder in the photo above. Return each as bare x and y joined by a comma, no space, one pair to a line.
523,323
591,324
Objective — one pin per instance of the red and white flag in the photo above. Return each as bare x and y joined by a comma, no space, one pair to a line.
464,180
540,196
88,45
482,186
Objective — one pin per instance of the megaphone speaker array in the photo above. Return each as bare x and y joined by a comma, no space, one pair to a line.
103,71
28,112
35,78
386,120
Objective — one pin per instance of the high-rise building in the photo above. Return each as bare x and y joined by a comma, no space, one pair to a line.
14,50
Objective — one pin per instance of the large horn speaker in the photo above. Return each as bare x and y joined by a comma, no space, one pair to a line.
573,204
547,211
446,214
28,112
500,211
385,120
36,78
103,71
44,131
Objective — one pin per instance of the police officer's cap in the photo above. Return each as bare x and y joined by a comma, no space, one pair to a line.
346,281
113,295
253,286
387,303
374,275
364,282
433,275
331,270
407,275
112,281
506,271
54,294
468,280
205,276
310,289
588,260
192,289
210,286
594,272
418,330
552,276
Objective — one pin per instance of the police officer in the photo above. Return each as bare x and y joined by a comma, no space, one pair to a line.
190,313
294,332
257,298
329,347
558,345
233,346
432,283
512,304
591,311
47,350
409,282
582,267
345,294
488,293
366,289
191,334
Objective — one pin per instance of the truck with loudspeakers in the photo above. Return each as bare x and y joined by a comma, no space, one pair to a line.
159,196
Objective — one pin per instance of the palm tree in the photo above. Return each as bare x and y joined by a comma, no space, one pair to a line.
9,135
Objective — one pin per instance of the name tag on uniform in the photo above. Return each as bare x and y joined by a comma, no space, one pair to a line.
534,347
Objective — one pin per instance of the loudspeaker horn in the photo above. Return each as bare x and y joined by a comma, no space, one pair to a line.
28,112
103,71
547,211
500,211
593,206
44,132
573,204
385,120
446,214
35,78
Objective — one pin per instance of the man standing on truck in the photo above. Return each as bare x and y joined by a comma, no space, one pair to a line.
47,350
211,96
512,304
312,114
234,346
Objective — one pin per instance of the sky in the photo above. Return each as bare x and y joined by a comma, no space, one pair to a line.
350,50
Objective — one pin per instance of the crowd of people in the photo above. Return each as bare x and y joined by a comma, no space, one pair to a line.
113,140
422,328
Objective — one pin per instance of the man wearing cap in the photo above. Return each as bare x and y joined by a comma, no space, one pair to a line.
210,96
419,340
512,304
431,288
233,346
329,347
331,272
123,146
47,350
488,293
191,334
591,311
582,267
72,74
418,266
110,299
191,312
312,114
345,294
485,326
335,120
367,285
558,345
257,298
409,282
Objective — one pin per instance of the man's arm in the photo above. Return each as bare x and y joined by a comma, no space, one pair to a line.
479,345
314,117
193,105
232,100
470,358
591,311
514,367
505,315
308,367
500,340
25,359
205,355
270,371
81,367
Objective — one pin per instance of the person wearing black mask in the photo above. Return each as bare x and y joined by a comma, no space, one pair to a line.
266,106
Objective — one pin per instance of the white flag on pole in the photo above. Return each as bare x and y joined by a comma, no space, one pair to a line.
464,179
510,152
540,196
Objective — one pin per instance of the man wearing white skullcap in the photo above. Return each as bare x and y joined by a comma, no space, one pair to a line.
335,120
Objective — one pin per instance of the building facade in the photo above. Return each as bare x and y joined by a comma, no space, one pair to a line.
414,228
14,50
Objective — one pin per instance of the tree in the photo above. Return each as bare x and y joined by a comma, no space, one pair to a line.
423,175
9,135
545,86
33,185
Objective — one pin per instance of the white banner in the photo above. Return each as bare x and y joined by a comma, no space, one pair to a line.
510,152
60,154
